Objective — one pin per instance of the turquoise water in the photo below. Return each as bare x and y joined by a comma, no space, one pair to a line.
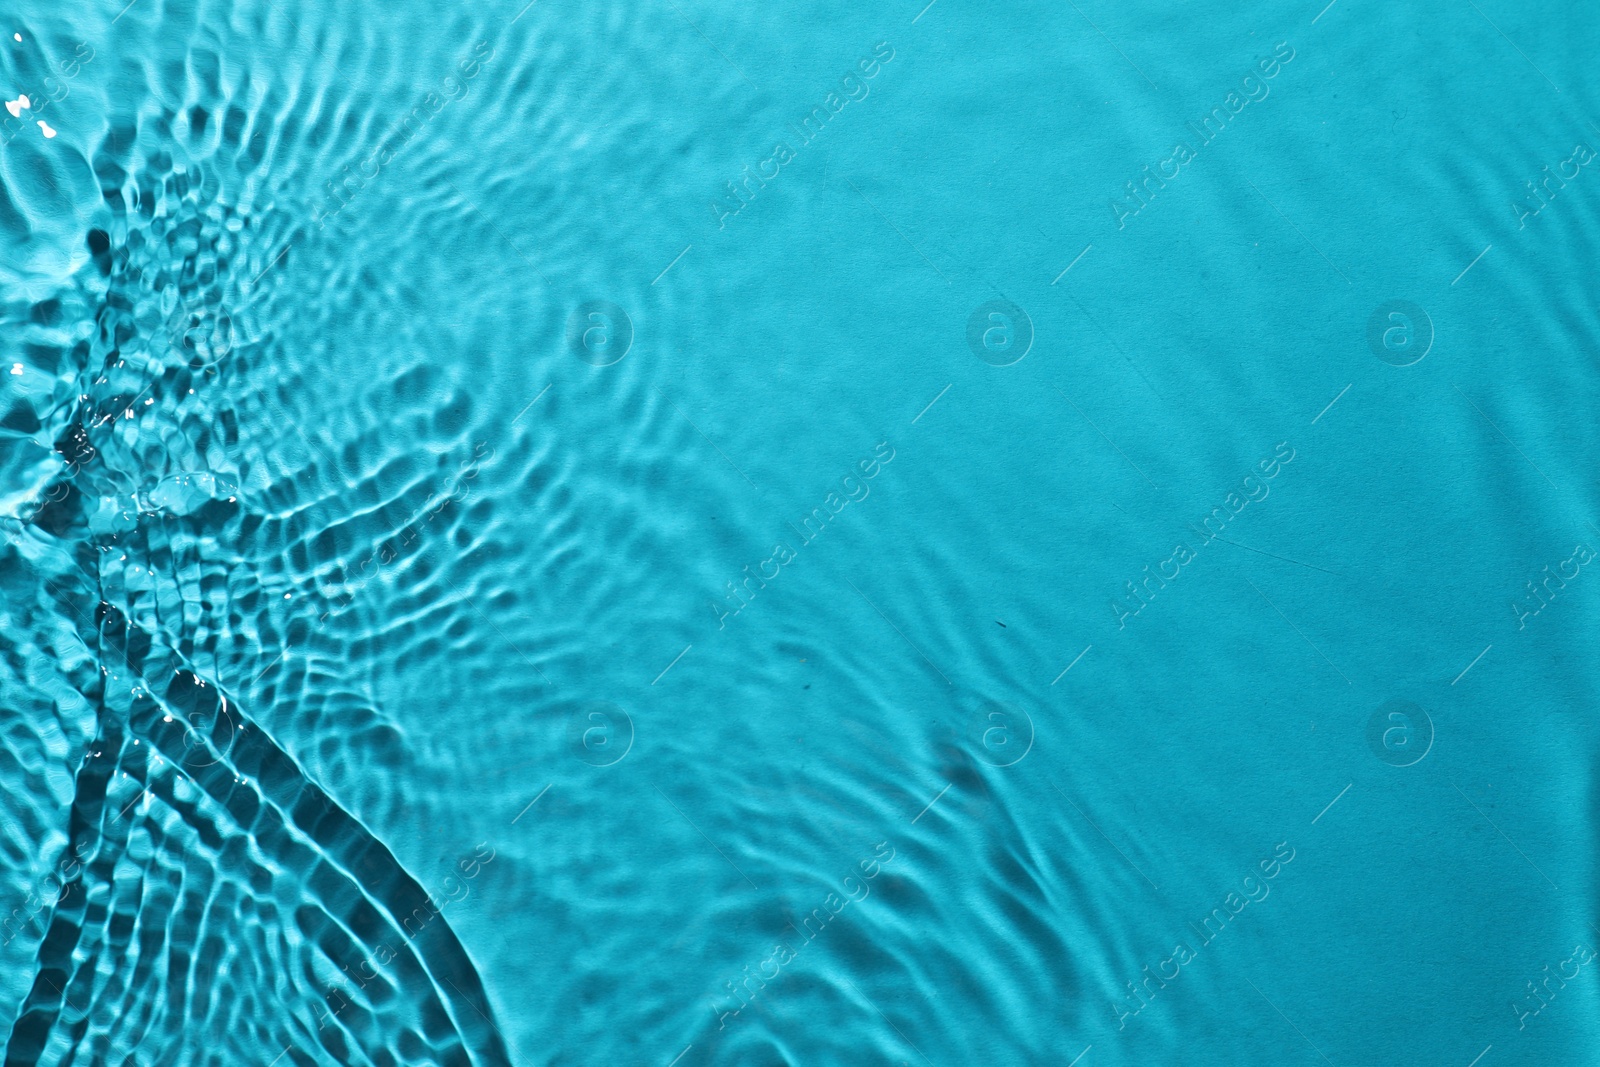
798,534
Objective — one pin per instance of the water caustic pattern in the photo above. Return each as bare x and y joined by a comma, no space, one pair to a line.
935,533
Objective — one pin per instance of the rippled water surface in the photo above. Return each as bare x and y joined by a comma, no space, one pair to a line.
699,533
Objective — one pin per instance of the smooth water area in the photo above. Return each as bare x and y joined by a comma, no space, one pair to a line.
926,533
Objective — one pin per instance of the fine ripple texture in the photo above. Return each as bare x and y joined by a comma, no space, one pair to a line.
400,429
